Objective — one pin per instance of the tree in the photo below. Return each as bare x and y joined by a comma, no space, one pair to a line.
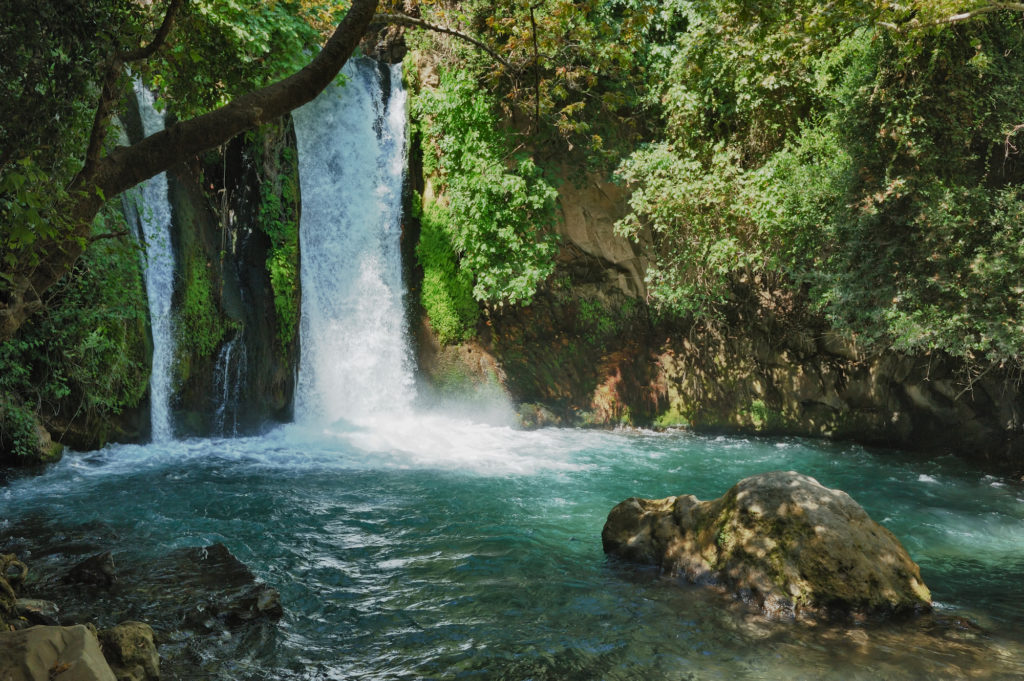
859,154
35,260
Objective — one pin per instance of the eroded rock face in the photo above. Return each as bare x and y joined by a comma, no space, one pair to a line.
780,540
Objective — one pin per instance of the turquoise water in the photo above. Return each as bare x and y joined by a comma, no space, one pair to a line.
439,549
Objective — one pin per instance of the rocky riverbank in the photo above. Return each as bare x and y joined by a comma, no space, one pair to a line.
201,608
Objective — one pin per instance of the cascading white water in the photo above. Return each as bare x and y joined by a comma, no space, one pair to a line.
228,385
154,215
355,362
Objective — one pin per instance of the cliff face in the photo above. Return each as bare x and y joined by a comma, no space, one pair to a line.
589,351
235,235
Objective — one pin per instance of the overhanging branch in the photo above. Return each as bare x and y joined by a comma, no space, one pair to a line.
406,20
125,167
109,94
160,38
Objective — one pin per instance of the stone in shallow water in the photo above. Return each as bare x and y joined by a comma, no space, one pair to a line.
98,570
214,585
780,540
37,611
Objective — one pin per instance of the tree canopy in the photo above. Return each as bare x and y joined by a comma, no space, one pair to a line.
862,152
74,57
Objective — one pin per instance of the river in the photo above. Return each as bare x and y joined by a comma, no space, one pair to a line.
440,548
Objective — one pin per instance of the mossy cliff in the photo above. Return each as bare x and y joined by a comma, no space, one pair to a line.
236,241
77,373
589,351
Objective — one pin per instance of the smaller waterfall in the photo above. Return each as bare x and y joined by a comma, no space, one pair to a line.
153,210
229,385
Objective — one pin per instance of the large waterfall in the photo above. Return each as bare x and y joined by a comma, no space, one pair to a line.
355,361
154,215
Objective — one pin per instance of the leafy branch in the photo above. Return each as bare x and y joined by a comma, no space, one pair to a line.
406,20
956,18
110,94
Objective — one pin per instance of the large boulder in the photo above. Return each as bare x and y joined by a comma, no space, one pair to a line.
47,653
780,540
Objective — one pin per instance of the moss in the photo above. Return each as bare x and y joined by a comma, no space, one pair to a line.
278,218
447,293
454,378
673,417
761,417
199,327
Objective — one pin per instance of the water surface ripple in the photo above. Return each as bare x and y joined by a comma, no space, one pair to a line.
473,551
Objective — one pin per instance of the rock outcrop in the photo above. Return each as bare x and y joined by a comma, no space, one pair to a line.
779,540
45,653
131,652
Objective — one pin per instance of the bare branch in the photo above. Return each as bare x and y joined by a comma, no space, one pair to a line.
536,73
987,9
110,235
406,20
956,18
1009,146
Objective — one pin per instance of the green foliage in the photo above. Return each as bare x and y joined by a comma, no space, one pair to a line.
51,53
866,165
224,48
18,434
277,217
199,327
447,294
698,218
27,213
86,353
572,71
500,208
48,89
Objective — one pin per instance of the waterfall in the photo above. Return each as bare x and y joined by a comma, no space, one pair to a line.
149,205
229,385
355,361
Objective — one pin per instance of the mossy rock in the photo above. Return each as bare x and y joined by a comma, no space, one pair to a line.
779,540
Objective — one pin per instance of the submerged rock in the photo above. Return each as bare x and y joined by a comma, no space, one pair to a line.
98,570
780,540
46,653
216,589
37,611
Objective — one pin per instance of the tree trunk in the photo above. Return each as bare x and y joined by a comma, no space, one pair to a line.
125,167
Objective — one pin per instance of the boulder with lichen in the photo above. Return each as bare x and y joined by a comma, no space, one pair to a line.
779,540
